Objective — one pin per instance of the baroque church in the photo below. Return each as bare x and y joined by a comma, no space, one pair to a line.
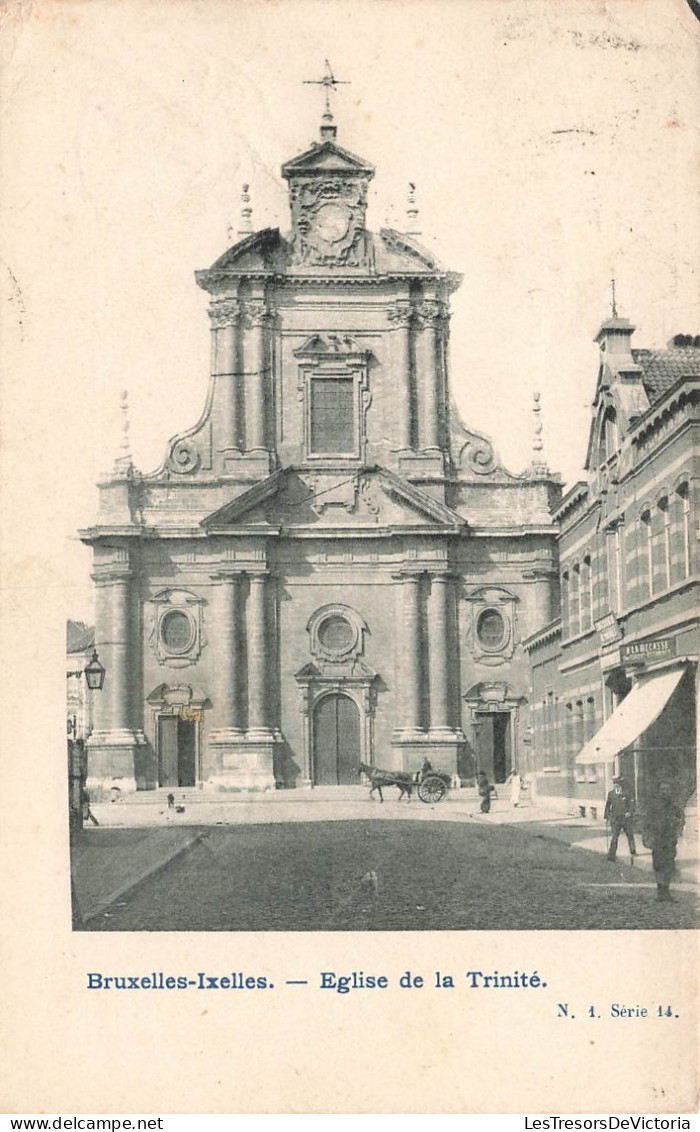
328,568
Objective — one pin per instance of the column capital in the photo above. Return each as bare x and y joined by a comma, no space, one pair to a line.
430,313
228,574
400,313
255,312
442,575
111,575
224,312
408,575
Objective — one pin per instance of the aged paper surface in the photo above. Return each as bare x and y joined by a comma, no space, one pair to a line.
127,131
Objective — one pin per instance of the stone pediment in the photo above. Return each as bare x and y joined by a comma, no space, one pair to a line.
395,252
330,345
265,250
326,157
309,497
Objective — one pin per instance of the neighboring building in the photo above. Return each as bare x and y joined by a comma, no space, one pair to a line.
328,567
80,642
614,679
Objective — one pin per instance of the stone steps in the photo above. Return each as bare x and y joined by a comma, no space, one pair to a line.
193,795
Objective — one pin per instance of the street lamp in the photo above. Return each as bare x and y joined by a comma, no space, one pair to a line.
94,673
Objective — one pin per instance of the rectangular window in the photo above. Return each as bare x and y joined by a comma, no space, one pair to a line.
332,416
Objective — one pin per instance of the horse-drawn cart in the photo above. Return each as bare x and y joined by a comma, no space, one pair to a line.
434,787
431,786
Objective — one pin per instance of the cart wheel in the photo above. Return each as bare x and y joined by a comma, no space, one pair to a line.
432,790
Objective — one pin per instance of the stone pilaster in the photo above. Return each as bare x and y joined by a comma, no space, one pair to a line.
226,410
409,655
428,371
257,622
115,741
256,371
401,317
228,706
439,667
245,758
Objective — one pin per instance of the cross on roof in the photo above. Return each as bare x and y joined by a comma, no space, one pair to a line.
328,81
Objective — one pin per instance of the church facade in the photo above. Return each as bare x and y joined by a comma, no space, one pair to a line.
329,568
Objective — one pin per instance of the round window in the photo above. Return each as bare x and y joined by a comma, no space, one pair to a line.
336,635
176,631
491,629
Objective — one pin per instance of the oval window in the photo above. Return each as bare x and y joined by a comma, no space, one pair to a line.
176,631
336,635
491,629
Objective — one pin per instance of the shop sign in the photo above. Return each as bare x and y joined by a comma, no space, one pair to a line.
608,629
641,652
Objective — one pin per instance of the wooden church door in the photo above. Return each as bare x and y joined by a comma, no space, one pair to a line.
336,746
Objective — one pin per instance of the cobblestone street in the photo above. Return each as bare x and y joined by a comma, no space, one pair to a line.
388,876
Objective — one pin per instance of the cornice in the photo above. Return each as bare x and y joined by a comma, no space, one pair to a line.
300,279
575,495
543,636
684,388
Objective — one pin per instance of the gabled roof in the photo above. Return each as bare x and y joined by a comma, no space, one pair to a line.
661,369
79,636
432,511
326,156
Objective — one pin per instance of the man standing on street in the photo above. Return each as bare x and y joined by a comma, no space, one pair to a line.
619,811
485,790
663,826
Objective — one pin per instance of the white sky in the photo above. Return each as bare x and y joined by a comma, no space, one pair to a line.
552,144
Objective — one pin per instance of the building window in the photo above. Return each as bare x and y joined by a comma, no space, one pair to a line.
491,629
565,599
575,616
177,635
615,571
336,635
332,428
609,441
685,499
586,593
665,540
647,556
679,534
176,631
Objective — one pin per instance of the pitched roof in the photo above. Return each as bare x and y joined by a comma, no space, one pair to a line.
327,156
79,636
661,369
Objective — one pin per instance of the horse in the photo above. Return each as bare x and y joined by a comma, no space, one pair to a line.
379,778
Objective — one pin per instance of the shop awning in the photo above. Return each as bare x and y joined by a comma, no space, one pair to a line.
637,711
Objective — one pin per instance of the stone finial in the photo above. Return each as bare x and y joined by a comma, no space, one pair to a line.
538,465
245,225
246,211
412,228
124,464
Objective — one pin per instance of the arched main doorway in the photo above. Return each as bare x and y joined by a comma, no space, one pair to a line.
336,741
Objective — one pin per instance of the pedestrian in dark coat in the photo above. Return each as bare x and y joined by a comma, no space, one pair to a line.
663,825
86,812
485,789
619,811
